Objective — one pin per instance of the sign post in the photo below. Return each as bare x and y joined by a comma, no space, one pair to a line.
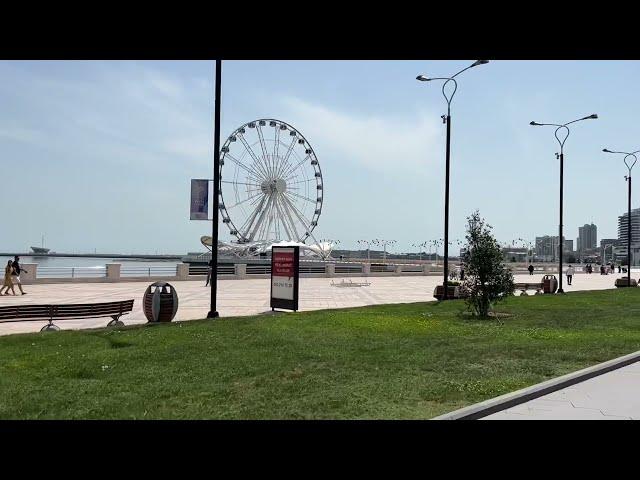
285,276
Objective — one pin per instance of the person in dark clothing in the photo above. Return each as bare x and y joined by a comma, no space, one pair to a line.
209,270
530,269
619,268
15,276
461,273
602,270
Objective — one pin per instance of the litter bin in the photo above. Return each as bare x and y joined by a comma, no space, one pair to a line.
549,284
160,302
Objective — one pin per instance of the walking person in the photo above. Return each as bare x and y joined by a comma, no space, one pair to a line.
461,273
15,276
530,268
8,284
209,270
570,272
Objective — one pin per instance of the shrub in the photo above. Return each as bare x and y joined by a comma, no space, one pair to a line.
487,280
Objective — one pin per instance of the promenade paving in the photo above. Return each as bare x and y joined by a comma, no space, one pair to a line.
249,297
612,396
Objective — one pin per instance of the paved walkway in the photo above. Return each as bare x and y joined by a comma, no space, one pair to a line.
249,297
612,396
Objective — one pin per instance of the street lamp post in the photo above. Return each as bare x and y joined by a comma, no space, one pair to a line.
447,120
561,157
213,312
627,160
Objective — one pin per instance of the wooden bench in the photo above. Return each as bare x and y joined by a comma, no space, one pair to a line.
21,313
523,287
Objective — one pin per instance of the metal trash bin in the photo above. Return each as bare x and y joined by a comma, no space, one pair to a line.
160,302
549,284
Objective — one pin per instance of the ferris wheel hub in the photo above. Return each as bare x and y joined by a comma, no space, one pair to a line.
271,186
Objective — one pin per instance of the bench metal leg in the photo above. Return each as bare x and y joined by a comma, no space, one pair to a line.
524,293
539,292
115,322
50,327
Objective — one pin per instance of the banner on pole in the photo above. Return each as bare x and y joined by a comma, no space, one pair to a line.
285,275
200,199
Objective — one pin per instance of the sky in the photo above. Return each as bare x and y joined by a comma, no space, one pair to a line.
98,155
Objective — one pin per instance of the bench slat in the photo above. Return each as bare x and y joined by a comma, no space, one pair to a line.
68,311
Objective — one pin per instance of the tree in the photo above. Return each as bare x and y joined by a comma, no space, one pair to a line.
487,280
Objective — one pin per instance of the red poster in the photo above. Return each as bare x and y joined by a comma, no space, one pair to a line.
283,264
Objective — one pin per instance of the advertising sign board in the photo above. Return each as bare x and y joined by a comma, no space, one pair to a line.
199,199
285,275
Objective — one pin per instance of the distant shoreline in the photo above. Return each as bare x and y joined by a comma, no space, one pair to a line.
94,255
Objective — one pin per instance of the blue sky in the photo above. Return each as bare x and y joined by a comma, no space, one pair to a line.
98,155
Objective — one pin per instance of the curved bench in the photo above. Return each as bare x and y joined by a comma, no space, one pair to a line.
21,313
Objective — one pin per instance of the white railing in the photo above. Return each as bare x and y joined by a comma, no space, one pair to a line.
71,272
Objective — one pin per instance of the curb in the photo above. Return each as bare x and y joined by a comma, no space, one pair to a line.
497,404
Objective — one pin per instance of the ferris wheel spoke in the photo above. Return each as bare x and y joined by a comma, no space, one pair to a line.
241,202
246,226
258,224
303,198
263,146
288,216
285,160
256,159
288,173
251,170
241,183
281,218
301,181
299,214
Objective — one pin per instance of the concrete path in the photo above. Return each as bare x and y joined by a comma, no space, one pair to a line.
249,297
612,396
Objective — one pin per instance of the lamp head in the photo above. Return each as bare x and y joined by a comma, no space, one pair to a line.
479,62
422,78
534,123
593,116
606,150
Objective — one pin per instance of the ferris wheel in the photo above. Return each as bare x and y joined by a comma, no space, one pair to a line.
270,183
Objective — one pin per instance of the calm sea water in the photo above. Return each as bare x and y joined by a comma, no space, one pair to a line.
87,262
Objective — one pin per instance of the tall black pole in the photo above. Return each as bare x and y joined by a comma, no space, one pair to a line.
560,242
213,312
629,234
446,211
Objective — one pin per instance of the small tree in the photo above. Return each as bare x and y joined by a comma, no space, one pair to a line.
486,280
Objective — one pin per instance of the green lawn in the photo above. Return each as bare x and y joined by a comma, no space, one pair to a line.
390,361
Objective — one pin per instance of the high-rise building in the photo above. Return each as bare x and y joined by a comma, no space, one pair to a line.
635,227
587,237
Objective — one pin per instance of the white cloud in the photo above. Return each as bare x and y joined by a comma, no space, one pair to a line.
377,142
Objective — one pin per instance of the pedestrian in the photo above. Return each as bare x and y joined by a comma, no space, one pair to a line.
602,271
570,272
619,268
530,269
8,284
461,273
15,275
209,270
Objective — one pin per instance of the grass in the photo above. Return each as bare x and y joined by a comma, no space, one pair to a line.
389,361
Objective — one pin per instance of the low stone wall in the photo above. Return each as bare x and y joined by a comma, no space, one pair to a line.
114,273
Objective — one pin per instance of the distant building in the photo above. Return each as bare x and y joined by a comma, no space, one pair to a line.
587,238
621,248
547,247
608,249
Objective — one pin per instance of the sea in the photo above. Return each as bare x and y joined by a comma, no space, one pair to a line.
88,262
